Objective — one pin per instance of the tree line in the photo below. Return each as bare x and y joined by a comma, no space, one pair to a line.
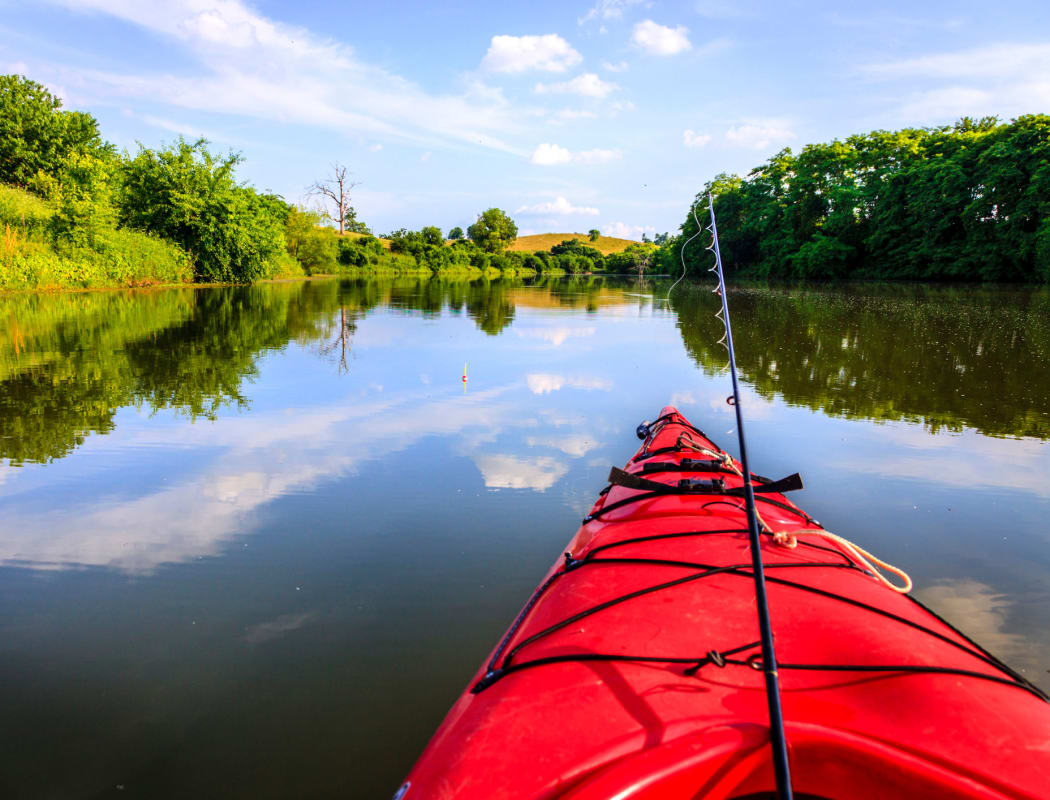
966,202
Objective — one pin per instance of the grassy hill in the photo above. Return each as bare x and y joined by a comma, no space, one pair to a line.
545,241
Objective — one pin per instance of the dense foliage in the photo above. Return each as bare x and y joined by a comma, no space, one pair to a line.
36,137
965,202
187,195
74,212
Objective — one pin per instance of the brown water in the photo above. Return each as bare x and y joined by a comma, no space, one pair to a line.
254,541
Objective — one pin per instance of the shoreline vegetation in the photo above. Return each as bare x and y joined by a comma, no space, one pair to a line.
969,202
77,214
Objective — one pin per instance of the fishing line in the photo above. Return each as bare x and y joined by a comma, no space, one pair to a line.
681,254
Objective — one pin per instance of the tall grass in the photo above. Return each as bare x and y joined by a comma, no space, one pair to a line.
31,258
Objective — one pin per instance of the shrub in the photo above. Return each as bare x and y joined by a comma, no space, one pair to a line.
188,195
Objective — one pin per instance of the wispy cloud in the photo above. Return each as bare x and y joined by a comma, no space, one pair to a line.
607,10
760,134
276,628
993,61
1005,78
559,206
622,230
255,67
570,115
691,138
586,85
723,9
549,154
545,383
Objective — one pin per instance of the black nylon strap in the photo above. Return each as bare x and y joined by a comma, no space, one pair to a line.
619,477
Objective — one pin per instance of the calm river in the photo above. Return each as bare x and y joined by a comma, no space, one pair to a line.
254,541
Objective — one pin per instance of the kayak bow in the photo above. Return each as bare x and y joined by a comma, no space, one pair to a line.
635,669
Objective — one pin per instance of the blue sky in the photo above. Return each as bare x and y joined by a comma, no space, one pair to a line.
570,115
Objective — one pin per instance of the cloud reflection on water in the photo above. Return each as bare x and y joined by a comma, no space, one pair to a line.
261,457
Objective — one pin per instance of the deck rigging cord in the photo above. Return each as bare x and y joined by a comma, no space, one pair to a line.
777,738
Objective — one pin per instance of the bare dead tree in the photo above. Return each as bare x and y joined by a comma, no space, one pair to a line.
335,191
643,264
340,344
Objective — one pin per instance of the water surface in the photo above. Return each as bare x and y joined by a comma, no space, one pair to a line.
255,541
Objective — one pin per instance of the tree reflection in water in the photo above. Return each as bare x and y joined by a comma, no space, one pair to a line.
947,357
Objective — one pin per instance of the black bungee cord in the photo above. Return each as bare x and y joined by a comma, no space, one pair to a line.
777,738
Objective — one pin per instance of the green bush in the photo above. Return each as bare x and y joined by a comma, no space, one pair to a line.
188,195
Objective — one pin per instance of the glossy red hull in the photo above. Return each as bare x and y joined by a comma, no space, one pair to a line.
591,695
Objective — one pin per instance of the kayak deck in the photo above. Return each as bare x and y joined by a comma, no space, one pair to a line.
634,670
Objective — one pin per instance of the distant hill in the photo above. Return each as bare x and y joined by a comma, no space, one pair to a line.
545,241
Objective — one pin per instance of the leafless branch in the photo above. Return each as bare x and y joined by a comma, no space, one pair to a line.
336,190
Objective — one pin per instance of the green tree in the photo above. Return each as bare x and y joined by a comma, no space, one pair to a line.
493,231
299,224
594,233
455,234
351,224
432,235
36,137
188,195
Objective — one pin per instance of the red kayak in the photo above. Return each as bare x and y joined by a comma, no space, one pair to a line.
634,670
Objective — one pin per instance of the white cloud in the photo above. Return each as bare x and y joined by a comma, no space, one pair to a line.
548,154
556,336
375,148
251,66
586,85
559,206
545,383
691,138
513,472
660,40
620,66
608,9
621,230
547,53
426,156
759,135
576,445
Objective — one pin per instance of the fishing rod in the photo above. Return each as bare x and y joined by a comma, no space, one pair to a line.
777,739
